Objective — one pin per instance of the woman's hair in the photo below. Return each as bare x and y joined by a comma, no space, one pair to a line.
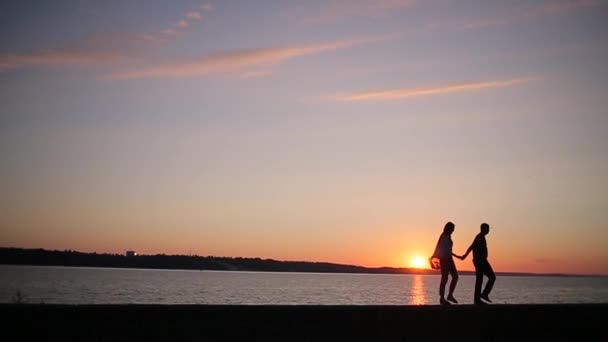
449,227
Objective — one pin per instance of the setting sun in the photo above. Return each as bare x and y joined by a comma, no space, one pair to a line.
418,262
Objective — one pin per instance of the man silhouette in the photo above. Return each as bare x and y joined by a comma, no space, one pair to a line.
482,266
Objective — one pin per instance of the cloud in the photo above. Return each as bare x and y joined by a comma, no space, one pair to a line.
255,74
237,60
96,49
340,9
168,31
194,15
533,11
182,23
403,93
56,57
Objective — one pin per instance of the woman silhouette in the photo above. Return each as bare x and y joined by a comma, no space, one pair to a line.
443,252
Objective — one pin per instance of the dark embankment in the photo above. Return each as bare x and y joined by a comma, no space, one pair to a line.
302,323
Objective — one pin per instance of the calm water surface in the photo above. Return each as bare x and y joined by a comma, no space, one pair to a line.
76,285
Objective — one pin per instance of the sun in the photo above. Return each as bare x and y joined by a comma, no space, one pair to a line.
418,262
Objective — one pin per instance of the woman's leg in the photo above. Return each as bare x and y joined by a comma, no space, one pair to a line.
443,282
445,270
454,274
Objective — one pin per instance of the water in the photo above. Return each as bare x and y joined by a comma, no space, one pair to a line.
76,285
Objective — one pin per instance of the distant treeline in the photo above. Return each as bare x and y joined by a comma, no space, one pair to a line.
20,256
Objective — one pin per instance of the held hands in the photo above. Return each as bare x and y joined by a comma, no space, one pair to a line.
461,257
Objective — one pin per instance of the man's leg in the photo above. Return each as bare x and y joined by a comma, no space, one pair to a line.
489,272
478,282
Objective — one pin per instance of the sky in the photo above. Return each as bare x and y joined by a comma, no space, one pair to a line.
339,131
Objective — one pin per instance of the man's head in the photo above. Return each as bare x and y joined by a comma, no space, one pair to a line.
485,228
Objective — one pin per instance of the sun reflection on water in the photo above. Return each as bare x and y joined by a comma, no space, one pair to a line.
418,297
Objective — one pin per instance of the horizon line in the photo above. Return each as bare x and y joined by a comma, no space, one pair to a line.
412,270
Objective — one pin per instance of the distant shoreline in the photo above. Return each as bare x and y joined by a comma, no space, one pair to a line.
69,258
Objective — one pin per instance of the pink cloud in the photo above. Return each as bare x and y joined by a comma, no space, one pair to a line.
403,93
96,49
182,23
238,60
168,31
255,74
56,57
193,15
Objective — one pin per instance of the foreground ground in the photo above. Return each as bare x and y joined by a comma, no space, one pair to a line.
302,323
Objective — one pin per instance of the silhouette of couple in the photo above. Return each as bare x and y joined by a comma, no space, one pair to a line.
443,252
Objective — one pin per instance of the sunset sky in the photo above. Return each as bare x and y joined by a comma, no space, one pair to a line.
339,131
